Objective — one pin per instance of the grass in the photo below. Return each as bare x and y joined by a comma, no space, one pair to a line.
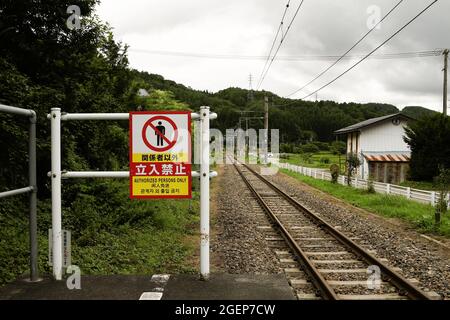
111,234
315,160
420,216
154,246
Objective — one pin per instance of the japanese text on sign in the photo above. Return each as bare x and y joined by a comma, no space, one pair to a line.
160,155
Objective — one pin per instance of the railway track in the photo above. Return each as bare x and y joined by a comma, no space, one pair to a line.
318,259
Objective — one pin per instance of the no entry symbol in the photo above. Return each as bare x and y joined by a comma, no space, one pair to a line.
156,125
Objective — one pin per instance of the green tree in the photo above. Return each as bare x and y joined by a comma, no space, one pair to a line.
428,139
442,183
43,65
309,148
334,170
338,147
353,163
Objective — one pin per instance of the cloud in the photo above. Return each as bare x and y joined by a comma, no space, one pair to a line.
322,27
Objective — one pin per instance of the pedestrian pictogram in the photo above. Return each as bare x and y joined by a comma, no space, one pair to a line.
163,142
160,131
160,154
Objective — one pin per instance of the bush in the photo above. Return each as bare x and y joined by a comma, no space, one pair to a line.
325,160
442,182
353,163
334,170
323,146
370,186
309,148
338,147
306,157
286,148
297,150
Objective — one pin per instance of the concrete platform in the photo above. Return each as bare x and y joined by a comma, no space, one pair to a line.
92,288
175,287
229,287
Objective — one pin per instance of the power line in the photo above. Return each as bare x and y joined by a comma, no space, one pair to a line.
341,57
279,46
399,55
281,42
370,53
274,40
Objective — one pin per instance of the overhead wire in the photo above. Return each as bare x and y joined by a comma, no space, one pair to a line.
275,39
396,55
373,51
280,44
348,51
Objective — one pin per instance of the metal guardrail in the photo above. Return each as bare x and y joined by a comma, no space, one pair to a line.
31,189
56,174
422,196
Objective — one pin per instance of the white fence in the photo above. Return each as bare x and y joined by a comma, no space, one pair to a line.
423,196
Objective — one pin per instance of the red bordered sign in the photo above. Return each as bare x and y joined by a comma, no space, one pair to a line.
160,154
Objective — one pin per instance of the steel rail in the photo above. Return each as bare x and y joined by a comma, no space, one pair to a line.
327,292
402,284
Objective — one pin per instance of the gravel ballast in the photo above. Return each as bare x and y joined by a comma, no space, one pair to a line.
418,258
237,244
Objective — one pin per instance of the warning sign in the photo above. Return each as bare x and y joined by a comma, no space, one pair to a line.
160,154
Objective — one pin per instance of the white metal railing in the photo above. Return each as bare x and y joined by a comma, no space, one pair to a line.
56,116
31,189
423,196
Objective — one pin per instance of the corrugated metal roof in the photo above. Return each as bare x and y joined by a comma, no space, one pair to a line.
388,157
365,123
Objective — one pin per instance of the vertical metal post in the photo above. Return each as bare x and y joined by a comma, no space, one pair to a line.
266,127
445,53
204,194
56,192
34,272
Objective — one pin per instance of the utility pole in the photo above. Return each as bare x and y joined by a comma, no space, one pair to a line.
445,53
250,88
266,127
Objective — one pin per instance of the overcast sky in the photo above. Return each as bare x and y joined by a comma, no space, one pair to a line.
322,27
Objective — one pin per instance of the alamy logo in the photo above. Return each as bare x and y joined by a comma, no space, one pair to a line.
73,22
374,19
374,279
74,280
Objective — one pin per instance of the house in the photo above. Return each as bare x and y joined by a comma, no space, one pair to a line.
379,143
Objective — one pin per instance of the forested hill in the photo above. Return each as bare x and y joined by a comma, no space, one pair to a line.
298,120
418,112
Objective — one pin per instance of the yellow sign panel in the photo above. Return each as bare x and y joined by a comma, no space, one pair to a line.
161,186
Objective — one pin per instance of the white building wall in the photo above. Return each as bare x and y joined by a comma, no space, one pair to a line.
384,137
